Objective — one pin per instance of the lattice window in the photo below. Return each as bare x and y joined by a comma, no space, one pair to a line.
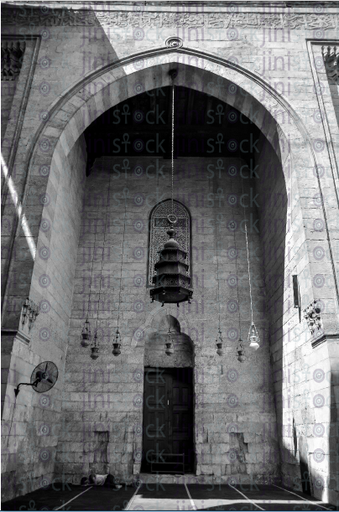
158,227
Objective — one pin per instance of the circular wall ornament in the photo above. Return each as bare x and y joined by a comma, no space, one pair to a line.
174,42
173,219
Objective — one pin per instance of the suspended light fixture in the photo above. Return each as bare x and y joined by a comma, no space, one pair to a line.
169,344
171,282
95,344
241,351
253,335
86,333
95,347
219,342
117,344
241,357
117,340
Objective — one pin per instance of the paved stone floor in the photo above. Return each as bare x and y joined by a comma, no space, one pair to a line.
166,497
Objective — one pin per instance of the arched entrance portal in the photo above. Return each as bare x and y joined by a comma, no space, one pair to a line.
53,144
168,413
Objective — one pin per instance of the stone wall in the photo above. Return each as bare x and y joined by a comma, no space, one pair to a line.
33,420
276,57
305,403
7,94
235,421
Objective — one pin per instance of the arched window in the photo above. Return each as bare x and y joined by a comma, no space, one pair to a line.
158,227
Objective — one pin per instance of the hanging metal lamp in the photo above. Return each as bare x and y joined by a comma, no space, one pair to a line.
171,282
169,344
117,344
253,335
95,347
117,340
241,351
219,343
86,334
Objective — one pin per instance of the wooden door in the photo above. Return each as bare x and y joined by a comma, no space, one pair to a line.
168,419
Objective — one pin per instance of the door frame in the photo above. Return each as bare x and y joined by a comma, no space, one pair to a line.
193,429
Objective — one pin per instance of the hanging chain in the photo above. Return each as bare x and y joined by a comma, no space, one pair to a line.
248,257
90,286
249,271
172,185
218,284
122,262
236,273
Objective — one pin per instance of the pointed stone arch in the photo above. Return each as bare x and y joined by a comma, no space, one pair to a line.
97,92
239,87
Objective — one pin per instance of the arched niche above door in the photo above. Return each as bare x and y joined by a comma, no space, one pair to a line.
155,355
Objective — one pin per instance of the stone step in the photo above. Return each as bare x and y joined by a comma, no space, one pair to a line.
164,478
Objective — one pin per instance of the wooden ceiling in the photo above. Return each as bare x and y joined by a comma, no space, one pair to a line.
204,126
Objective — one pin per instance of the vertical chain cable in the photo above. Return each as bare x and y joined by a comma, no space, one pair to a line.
122,262
172,149
236,273
90,284
248,258
90,291
100,287
249,272
218,284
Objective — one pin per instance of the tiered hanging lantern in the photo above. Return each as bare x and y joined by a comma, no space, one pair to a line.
171,282
95,347
219,343
117,344
241,351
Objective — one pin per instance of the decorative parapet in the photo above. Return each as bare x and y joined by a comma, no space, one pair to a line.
313,317
331,59
140,17
11,59
29,313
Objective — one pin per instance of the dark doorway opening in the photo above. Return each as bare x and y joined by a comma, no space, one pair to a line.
168,421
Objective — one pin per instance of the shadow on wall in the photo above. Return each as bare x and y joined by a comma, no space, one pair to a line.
28,272
274,228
